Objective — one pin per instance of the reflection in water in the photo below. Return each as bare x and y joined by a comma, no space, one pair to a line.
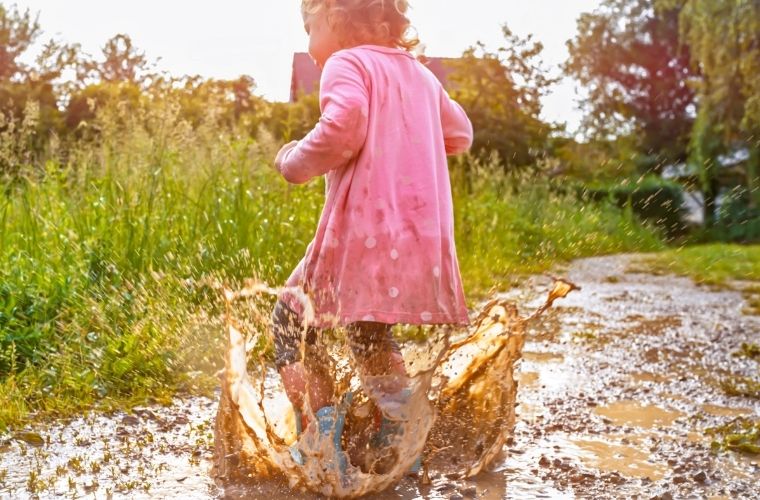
636,414
631,461
457,412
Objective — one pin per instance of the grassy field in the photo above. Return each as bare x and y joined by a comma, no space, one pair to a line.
714,264
109,254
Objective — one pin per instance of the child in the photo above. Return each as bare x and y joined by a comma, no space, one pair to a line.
384,248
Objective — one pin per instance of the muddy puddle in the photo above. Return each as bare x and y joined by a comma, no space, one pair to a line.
616,388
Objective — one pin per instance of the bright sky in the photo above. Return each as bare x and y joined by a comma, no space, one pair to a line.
227,38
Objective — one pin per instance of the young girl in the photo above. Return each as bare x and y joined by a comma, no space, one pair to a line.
384,249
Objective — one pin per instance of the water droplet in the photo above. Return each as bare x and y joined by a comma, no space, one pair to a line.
393,292
370,242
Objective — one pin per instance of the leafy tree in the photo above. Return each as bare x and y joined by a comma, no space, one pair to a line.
29,89
628,56
18,31
122,62
501,92
122,75
724,36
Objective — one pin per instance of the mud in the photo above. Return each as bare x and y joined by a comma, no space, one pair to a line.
454,407
617,388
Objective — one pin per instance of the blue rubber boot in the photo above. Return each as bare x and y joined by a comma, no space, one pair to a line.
389,429
330,423
331,420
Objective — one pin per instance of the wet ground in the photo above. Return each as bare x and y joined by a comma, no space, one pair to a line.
618,386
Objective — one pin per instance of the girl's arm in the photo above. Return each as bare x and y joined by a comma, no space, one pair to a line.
342,128
457,129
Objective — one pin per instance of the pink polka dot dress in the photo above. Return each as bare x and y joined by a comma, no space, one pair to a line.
384,247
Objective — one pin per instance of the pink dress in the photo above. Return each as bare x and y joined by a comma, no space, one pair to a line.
384,247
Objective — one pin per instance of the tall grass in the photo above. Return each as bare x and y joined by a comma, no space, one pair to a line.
106,250
511,225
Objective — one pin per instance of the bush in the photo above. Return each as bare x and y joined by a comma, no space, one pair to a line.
652,199
737,220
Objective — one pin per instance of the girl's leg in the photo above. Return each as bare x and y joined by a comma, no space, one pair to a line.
376,351
298,376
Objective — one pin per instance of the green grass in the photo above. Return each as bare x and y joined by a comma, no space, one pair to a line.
741,434
714,264
507,230
109,256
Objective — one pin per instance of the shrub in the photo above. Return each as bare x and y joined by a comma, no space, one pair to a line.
654,200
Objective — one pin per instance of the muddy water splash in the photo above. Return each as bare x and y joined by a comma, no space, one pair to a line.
457,409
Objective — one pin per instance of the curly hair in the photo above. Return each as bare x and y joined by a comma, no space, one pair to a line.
359,22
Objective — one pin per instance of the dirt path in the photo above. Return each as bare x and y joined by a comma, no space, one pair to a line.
616,392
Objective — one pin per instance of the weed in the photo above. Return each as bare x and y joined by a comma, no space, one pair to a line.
741,386
741,434
751,351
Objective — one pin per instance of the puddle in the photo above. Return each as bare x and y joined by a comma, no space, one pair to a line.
627,460
162,452
543,357
725,411
635,414
568,440
457,412
528,379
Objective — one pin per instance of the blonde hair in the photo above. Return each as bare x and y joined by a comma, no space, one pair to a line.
359,22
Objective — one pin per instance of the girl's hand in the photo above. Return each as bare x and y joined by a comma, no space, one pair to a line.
281,154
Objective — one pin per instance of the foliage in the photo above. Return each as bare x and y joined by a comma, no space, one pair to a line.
501,93
724,36
628,57
751,351
738,220
651,198
122,62
18,31
110,253
292,121
24,87
521,223
741,434
713,264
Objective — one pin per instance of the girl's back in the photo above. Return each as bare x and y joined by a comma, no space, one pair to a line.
384,247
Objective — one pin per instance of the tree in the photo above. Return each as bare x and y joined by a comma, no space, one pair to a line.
501,92
628,56
18,31
724,36
29,89
121,62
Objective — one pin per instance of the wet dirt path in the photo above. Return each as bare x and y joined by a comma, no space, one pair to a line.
616,388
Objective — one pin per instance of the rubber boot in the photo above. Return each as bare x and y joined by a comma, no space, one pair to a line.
389,429
330,423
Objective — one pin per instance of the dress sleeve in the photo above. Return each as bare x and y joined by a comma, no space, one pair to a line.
342,127
457,129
